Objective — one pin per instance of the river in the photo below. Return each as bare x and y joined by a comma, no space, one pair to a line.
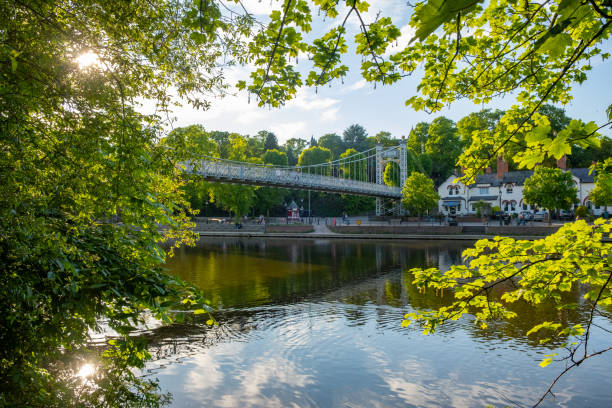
317,323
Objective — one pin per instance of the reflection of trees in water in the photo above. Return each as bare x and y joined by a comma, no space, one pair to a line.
355,272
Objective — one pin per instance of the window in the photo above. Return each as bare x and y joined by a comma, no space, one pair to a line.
483,190
450,192
513,206
509,188
524,207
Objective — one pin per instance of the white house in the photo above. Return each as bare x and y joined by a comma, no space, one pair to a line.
505,190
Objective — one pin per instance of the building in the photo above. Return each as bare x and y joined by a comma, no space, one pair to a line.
505,190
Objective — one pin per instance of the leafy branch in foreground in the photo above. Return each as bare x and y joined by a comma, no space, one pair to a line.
526,271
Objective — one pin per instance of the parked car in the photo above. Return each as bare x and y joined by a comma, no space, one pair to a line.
540,216
566,215
527,215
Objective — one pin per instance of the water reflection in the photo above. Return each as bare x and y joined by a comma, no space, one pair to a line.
317,323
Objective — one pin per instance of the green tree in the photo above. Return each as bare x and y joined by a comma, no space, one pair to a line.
485,120
236,198
601,195
268,198
89,194
418,194
334,143
391,174
443,146
276,158
418,137
355,136
293,147
552,189
353,165
270,141
315,155
193,140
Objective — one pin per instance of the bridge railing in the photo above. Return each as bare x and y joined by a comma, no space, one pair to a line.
286,177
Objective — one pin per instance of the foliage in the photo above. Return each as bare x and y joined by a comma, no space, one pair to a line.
601,195
354,166
474,50
89,195
236,198
443,147
552,189
582,211
391,175
315,155
275,157
483,209
293,147
418,194
355,137
504,271
270,141
333,143
418,137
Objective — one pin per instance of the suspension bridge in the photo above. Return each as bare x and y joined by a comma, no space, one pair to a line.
359,174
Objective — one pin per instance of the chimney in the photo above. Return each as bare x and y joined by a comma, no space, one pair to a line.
562,163
488,170
502,168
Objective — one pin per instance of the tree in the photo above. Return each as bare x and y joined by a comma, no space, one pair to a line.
552,189
418,137
89,193
355,136
293,147
276,158
270,140
192,140
418,194
443,146
391,175
236,198
315,155
334,143
267,197
601,195
353,165
482,121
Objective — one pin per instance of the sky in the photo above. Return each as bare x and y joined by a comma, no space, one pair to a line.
333,109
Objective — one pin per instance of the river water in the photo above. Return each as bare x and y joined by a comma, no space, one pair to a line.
317,323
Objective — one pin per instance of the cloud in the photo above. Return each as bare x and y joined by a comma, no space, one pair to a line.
330,115
362,83
288,130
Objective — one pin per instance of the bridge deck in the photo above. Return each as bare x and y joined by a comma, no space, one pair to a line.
226,172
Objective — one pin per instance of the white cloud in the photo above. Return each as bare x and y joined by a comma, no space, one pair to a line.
330,115
358,85
288,130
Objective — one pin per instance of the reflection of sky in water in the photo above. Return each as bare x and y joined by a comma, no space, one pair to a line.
340,343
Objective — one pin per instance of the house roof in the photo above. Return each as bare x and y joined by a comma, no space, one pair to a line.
583,175
487,179
517,177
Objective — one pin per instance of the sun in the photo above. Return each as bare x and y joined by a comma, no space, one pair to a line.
88,59
86,371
